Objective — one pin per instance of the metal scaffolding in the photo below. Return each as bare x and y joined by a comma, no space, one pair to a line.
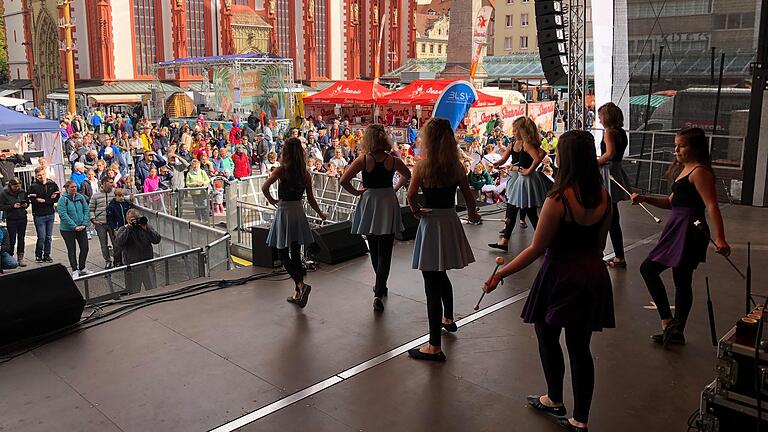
577,63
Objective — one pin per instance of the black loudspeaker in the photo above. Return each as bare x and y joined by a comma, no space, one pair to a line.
550,27
335,243
263,255
36,302
410,223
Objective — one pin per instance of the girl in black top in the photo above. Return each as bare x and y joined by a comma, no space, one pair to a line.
682,245
441,244
572,290
612,148
377,214
290,228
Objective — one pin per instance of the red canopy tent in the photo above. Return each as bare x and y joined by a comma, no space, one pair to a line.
426,92
350,92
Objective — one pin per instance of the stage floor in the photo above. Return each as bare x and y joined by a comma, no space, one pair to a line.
245,353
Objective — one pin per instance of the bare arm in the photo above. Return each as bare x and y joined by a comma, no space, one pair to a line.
610,147
660,201
405,174
536,155
504,157
346,180
549,221
311,198
269,182
704,181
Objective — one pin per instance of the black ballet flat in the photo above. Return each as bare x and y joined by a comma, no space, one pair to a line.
671,335
451,328
568,426
535,401
505,248
502,231
304,298
414,353
523,225
378,305
293,300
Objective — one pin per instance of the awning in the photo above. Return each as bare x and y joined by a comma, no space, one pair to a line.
350,92
12,102
58,96
107,99
426,92
642,100
9,92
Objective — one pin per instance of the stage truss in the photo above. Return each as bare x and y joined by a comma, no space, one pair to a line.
577,63
238,63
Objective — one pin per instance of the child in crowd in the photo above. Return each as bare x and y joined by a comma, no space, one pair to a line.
218,196
129,188
479,178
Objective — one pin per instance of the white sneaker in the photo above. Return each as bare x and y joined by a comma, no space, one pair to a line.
84,272
75,274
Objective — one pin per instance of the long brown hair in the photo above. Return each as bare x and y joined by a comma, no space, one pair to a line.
441,165
698,146
375,139
292,165
614,118
577,160
526,130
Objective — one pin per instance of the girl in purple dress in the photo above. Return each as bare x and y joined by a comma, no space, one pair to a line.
572,290
682,245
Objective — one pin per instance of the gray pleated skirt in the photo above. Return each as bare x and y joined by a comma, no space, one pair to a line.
378,213
441,243
528,191
513,175
290,225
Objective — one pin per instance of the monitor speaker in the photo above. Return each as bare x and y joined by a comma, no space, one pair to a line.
37,301
263,255
410,223
335,243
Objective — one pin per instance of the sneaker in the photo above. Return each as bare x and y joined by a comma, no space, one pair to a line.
90,236
84,272
38,259
75,274
47,258
107,265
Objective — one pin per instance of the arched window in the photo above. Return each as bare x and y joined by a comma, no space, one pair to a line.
144,26
46,50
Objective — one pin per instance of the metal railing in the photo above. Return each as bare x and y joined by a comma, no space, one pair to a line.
650,153
187,251
192,203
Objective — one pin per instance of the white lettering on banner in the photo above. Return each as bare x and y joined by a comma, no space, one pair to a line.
543,114
345,90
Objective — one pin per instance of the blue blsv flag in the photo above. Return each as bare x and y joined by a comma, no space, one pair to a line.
454,102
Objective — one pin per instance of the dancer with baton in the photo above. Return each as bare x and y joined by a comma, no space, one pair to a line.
572,290
683,245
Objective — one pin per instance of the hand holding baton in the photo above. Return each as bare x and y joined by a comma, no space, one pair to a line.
499,262
697,223
657,220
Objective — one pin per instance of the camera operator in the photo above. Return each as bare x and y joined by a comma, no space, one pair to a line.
134,241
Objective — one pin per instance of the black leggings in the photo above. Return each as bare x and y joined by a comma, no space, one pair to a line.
79,238
511,218
683,278
439,294
617,238
582,368
292,262
381,259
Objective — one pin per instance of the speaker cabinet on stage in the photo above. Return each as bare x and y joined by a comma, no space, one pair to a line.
37,301
335,243
410,223
263,255
550,28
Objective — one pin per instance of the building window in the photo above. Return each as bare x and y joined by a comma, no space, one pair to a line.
508,20
196,32
510,1
523,42
431,48
524,20
526,1
321,16
146,40
284,28
423,48
241,2
439,49
507,43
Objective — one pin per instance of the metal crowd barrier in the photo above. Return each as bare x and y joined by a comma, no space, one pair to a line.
187,251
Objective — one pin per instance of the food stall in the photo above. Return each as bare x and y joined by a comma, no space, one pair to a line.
357,99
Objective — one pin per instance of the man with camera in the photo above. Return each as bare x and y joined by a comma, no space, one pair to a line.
134,241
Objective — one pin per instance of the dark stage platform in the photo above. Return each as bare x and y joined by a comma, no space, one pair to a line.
242,357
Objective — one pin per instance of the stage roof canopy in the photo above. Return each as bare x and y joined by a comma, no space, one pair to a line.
426,92
245,58
13,122
350,92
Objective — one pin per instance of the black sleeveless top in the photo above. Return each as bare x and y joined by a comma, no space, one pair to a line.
290,191
621,145
440,197
523,158
380,176
574,238
684,194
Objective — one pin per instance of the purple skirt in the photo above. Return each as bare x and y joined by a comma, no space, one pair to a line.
572,290
682,243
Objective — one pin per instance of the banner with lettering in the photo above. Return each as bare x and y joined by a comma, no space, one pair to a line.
454,102
543,114
507,113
